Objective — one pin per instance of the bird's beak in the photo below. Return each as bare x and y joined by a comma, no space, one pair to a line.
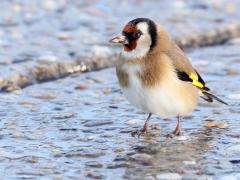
120,39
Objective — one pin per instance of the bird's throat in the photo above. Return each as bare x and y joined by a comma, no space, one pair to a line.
131,46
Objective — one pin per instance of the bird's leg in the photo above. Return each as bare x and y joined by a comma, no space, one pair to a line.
145,127
177,131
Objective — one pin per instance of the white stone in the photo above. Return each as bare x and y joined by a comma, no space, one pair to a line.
134,122
189,162
181,138
169,176
47,58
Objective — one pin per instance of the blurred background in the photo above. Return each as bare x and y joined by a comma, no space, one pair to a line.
57,122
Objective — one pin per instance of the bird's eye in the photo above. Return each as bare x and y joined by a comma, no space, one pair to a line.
136,35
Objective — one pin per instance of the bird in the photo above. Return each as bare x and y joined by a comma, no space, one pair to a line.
156,76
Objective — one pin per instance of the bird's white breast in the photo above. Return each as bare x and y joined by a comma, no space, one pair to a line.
166,99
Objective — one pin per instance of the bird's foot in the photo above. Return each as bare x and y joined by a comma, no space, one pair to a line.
176,132
139,133
145,132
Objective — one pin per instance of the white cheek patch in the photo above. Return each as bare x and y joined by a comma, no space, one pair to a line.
143,43
143,26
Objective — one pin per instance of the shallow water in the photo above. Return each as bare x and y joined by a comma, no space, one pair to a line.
79,128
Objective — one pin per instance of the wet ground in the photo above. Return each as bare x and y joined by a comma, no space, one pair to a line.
47,39
79,128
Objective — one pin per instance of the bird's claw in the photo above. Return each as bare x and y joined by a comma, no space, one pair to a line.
175,133
139,132
145,132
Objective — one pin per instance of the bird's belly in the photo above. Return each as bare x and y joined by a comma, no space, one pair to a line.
162,100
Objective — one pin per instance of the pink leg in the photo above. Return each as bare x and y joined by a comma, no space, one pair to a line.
145,127
178,130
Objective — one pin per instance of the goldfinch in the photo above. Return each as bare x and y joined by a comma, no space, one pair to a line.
155,75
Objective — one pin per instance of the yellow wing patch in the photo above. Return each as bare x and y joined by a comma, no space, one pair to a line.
195,81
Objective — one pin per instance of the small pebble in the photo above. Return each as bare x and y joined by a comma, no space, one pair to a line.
215,124
169,176
45,97
93,175
181,138
94,164
222,125
210,124
94,123
118,149
189,162
81,87
47,58
232,72
107,91
143,158
65,115
84,153
218,112
63,36
97,79
134,122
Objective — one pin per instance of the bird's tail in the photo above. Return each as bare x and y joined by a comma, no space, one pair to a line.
209,97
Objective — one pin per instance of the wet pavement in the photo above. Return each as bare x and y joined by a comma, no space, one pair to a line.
79,128
46,40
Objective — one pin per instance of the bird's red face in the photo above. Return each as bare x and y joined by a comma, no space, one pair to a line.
129,37
132,34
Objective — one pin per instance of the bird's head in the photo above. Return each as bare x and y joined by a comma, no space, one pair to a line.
138,38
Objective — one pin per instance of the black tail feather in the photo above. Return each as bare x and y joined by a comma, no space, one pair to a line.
209,97
206,98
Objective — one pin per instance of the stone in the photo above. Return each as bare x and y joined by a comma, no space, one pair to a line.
94,164
134,122
142,158
100,122
94,175
84,153
210,124
45,97
181,138
169,176
47,58
232,72
81,87
65,115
